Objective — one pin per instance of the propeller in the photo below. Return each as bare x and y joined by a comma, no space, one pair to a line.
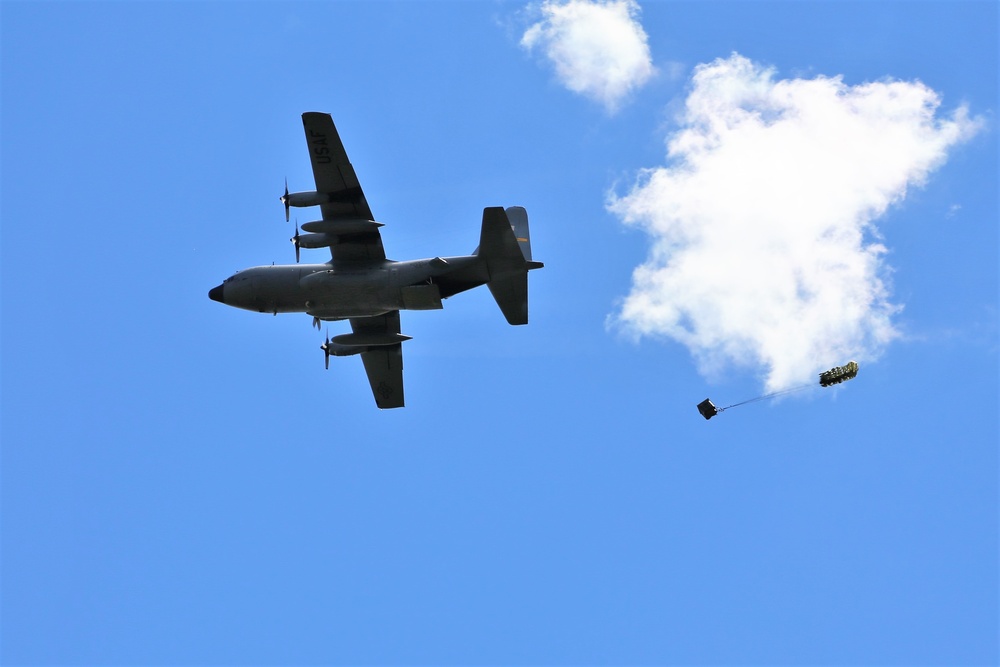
284,200
326,350
316,323
295,241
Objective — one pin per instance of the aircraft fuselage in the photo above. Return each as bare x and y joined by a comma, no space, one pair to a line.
335,294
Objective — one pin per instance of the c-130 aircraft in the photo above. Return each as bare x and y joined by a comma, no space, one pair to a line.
359,284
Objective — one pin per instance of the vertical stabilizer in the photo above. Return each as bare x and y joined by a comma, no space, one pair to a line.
518,218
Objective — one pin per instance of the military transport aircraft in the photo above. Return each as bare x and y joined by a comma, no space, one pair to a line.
359,284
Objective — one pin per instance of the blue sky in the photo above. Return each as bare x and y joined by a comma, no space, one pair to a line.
183,483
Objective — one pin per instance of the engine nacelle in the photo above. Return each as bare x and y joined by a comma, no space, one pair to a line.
350,344
365,339
337,350
300,199
337,227
316,240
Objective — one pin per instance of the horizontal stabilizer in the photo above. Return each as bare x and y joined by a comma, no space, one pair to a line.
506,264
511,294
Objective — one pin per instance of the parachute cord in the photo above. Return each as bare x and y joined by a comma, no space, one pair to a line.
766,396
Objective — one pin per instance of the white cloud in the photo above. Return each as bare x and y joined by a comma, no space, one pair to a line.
598,47
764,249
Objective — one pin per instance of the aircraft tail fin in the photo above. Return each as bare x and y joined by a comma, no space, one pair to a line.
506,262
518,219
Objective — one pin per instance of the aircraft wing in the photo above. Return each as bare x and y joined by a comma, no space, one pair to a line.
384,363
335,177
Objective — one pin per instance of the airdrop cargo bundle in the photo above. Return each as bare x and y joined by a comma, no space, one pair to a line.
835,375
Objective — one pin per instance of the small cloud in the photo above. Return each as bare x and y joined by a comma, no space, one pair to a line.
674,70
598,47
765,253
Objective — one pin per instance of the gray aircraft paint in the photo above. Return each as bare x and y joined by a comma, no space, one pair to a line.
359,284
331,294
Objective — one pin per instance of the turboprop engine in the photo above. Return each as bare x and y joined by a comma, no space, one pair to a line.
325,233
346,345
300,199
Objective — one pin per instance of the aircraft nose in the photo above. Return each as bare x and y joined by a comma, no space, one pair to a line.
215,294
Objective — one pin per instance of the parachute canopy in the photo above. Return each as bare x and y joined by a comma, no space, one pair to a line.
839,374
